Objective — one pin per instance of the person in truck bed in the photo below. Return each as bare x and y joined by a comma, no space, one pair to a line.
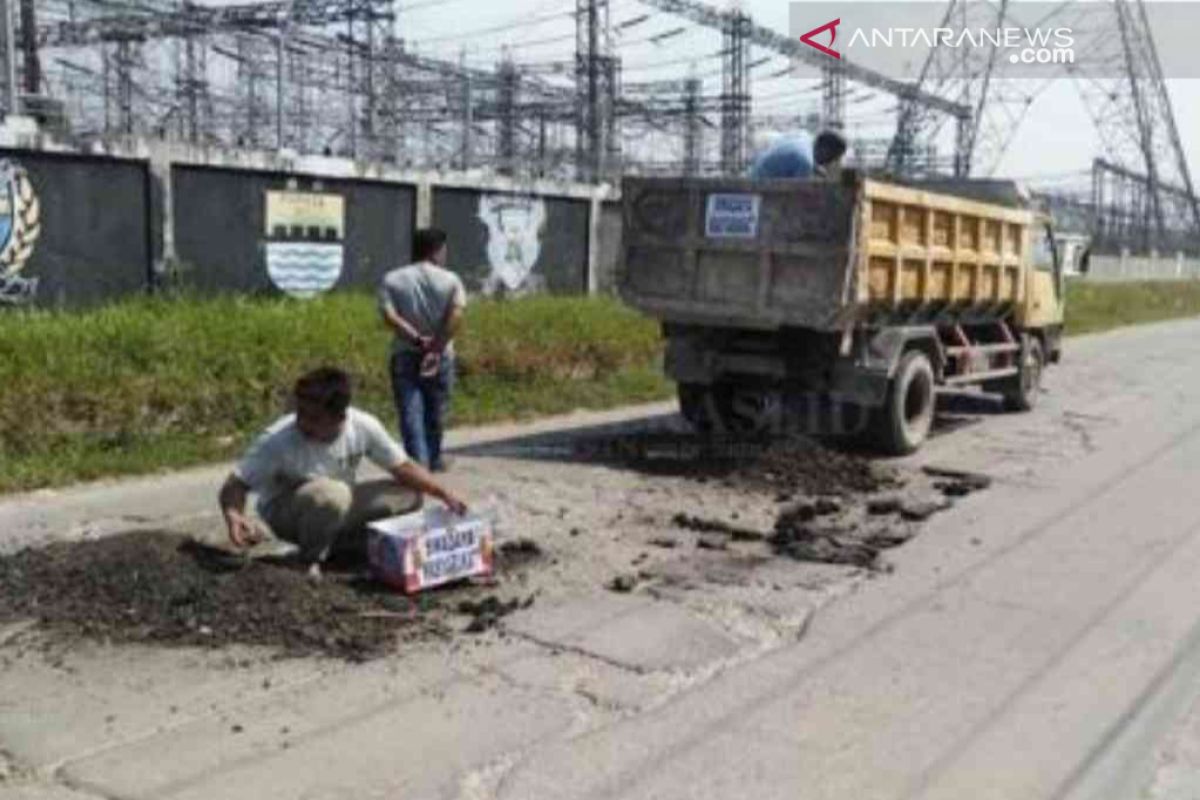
797,156
304,470
828,151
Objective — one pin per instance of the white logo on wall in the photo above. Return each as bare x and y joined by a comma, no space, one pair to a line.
20,226
515,227
304,241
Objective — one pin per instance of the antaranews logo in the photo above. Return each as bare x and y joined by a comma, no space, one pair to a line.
809,38
890,37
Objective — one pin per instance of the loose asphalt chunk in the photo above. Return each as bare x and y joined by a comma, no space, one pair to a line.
921,510
623,583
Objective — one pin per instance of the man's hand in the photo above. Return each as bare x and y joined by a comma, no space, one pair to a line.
243,532
414,476
453,502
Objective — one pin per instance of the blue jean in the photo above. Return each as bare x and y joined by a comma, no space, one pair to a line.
421,404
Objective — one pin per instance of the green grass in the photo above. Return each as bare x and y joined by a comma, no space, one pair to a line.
1093,307
154,384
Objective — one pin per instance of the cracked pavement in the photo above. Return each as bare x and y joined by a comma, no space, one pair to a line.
1032,640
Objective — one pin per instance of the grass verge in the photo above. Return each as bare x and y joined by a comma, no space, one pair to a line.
1093,307
154,384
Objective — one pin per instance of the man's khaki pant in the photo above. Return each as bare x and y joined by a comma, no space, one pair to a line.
325,515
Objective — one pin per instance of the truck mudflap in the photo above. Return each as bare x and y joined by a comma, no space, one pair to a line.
858,384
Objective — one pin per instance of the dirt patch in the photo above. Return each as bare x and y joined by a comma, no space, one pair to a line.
787,467
157,588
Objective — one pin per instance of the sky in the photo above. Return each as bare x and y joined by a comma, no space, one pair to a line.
1056,141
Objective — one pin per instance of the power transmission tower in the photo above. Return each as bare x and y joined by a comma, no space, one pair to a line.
32,72
467,147
612,120
833,97
938,106
192,86
735,95
964,74
595,76
8,35
252,80
507,92
127,58
1117,71
1136,123
692,130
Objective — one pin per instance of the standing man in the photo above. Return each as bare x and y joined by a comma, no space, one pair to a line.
303,469
423,304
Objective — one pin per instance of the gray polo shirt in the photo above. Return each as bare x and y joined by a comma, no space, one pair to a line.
423,294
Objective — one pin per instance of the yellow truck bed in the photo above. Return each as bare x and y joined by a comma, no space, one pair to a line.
818,255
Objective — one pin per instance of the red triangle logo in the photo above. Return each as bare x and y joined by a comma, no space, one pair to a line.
828,26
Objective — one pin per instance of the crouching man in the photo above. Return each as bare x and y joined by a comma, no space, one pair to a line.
303,469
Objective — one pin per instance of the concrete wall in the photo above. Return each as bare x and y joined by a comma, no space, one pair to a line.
609,235
93,223
509,242
125,214
219,226
1115,268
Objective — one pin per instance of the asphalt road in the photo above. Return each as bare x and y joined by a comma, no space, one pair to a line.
1040,640
1043,644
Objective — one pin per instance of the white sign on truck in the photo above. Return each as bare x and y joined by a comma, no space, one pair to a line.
732,216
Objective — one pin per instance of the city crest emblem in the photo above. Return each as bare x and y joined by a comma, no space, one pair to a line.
20,226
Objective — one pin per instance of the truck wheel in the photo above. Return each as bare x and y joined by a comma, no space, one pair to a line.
903,424
1021,391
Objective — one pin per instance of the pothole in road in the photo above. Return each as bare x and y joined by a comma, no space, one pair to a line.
830,507
155,587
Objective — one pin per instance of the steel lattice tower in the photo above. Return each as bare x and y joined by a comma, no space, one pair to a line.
735,95
1142,184
595,89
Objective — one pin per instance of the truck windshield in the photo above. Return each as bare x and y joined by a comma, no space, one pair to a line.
1043,250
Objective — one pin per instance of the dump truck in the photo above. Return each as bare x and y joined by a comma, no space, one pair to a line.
853,300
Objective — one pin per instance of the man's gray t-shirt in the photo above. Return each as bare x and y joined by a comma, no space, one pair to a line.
423,294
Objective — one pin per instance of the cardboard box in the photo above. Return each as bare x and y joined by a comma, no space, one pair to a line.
429,548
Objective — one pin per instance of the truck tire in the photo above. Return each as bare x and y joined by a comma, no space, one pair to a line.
1021,391
903,423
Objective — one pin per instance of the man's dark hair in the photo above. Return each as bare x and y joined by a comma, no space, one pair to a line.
426,242
829,147
326,388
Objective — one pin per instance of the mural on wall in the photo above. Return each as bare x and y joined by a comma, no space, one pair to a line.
305,234
515,225
20,226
